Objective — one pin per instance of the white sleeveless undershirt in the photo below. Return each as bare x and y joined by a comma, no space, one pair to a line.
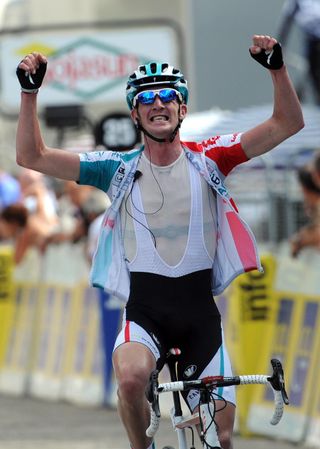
176,209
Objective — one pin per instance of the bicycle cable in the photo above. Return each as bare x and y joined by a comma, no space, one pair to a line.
212,415
192,437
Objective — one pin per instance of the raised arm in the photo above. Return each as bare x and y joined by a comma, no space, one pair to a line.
31,150
287,118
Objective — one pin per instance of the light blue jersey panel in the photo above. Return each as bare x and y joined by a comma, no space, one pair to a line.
96,171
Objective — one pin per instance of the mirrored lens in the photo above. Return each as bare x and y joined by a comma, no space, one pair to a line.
148,96
167,95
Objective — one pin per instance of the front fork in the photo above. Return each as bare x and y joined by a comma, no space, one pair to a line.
181,433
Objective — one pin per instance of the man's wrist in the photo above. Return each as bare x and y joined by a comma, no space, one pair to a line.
29,91
283,68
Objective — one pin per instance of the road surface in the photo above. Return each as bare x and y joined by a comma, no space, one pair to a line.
27,423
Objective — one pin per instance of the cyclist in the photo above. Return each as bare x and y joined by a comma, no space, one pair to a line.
172,236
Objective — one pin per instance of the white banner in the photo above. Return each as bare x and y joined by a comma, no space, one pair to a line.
84,65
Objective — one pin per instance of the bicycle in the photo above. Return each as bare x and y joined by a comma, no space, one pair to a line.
206,386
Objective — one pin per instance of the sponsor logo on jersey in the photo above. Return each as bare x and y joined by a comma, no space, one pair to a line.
119,176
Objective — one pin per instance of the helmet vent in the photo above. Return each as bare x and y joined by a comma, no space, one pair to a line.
164,67
153,67
142,70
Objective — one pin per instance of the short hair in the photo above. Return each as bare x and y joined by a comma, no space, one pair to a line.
306,181
316,161
15,213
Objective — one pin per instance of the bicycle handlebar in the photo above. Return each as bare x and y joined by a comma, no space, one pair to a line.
276,382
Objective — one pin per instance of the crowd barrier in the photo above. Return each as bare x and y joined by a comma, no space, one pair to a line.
277,315
57,334
6,299
53,336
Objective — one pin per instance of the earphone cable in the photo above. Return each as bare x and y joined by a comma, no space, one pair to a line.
159,187
133,218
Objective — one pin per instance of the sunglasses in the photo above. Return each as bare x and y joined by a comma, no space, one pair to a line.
148,96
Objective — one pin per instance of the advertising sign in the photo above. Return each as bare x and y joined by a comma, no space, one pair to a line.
251,313
86,65
6,297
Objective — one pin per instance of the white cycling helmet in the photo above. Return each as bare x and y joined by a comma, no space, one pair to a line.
152,74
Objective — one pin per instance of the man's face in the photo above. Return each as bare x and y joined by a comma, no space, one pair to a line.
159,118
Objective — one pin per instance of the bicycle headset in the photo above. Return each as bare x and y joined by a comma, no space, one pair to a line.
152,75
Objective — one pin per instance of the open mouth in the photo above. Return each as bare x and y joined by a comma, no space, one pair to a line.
159,118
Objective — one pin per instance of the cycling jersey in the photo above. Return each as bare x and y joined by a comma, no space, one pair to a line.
164,192
113,172
159,254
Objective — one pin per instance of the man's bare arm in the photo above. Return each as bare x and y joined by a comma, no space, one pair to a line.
286,119
31,151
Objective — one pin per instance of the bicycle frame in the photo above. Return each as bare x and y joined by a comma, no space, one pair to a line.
207,411
180,424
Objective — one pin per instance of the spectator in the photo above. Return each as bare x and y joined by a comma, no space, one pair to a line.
306,13
39,199
308,235
13,225
73,225
29,223
9,189
315,169
13,219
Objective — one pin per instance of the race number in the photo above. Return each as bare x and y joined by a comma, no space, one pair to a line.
116,132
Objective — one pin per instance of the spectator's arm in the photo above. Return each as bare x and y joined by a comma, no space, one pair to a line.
308,236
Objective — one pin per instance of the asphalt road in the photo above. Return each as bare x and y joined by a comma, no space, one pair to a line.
27,423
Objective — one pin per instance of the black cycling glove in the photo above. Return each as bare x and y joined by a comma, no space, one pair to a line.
30,83
272,60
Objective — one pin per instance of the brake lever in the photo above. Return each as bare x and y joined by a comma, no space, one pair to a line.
152,393
277,379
